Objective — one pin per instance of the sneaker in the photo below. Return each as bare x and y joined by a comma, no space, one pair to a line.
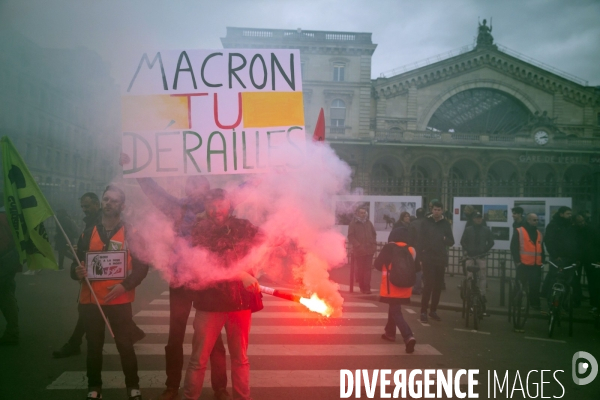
410,345
434,316
388,338
9,339
93,395
424,317
138,334
135,394
222,394
170,393
67,350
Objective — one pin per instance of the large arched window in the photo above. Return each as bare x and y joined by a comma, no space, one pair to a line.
483,111
337,115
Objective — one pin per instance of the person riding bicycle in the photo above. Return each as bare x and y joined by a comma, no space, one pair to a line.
476,241
528,255
561,244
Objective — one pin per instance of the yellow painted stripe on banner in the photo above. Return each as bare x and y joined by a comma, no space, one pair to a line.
265,109
154,112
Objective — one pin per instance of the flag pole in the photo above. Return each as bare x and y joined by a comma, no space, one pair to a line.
86,278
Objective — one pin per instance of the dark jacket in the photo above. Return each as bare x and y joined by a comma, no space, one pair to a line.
9,255
560,240
405,232
228,243
92,220
362,237
477,239
183,212
515,246
139,269
385,258
588,244
60,242
516,224
435,236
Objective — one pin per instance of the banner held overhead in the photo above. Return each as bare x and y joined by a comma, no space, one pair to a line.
213,112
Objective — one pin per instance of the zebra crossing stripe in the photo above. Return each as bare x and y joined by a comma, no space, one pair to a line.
279,303
285,330
258,379
387,349
268,315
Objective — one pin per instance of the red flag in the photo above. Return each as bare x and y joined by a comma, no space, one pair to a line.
319,134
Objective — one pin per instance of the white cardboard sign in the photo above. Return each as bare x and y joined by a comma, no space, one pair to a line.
225,111
106,265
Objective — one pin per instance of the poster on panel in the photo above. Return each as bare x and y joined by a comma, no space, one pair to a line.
384,211
212,112
497,214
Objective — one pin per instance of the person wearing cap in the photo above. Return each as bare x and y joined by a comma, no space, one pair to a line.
226,303
476,241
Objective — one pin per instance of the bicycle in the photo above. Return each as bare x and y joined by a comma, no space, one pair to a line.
560,298
518,304
473,303
597,313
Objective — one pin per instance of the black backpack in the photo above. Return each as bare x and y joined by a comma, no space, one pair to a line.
402,273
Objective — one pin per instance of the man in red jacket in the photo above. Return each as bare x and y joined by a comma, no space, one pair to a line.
227,303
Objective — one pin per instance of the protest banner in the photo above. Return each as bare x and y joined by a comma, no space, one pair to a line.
26,209
213,112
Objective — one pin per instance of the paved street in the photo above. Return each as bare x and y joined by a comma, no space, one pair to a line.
293,353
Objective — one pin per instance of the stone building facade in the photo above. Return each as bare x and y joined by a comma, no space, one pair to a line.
61,110
484,121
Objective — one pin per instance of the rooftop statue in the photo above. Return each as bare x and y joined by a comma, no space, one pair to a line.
484,35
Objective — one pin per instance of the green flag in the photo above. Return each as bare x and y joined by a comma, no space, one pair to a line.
26,209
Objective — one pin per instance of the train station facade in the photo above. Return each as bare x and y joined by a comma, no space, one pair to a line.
481,121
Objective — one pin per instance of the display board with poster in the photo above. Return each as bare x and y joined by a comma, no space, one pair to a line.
384,211
106,265
497,214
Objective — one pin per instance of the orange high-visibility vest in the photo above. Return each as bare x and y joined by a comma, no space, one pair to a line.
395,291
101,288
530,253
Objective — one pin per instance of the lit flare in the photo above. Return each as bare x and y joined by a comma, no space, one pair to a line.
314,304
317,305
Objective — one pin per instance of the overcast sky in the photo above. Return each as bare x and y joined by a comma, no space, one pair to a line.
563,34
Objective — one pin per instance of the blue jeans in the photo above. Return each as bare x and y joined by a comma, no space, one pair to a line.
396,319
